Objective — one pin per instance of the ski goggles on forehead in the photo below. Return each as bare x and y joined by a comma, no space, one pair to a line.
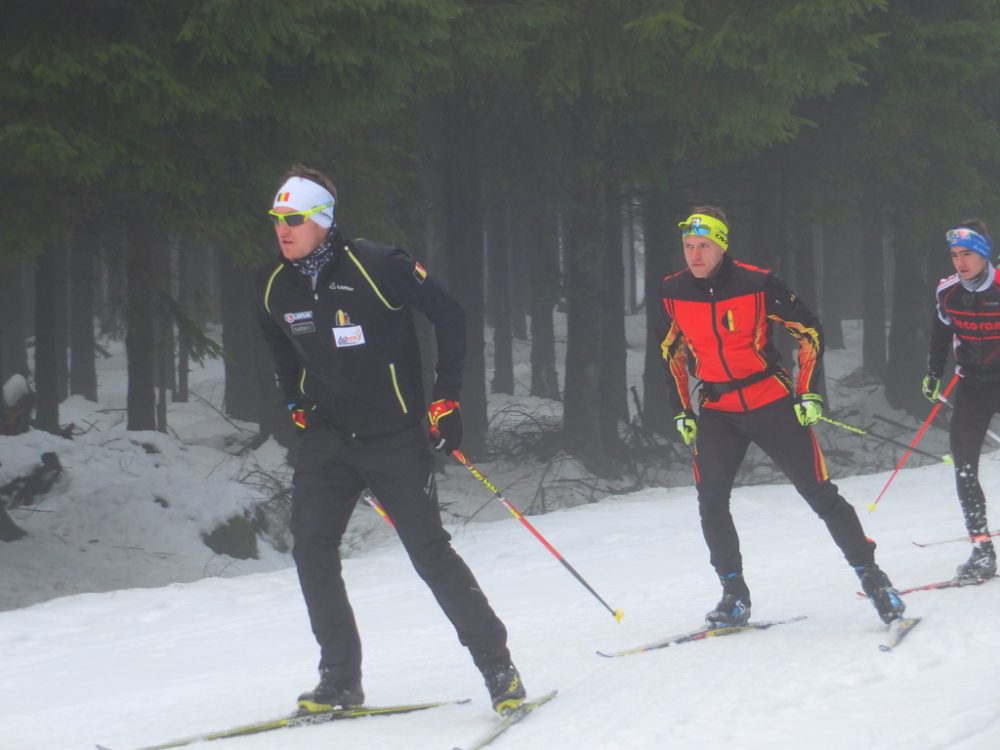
701,225
968,238
296,218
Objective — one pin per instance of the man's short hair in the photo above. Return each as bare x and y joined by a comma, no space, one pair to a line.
714,211
976,225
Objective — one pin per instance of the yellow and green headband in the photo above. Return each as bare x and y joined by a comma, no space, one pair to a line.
706,226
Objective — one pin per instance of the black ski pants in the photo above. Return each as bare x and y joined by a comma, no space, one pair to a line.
331,472
975,405
723,439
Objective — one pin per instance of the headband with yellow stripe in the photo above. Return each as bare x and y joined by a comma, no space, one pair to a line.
706,226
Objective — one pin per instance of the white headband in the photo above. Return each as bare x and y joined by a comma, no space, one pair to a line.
300,194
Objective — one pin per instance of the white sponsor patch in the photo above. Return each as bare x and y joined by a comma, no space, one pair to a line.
295,316
348,336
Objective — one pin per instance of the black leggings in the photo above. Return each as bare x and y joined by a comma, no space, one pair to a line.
975,405
723,439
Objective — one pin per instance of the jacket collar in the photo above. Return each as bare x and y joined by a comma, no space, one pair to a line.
719,278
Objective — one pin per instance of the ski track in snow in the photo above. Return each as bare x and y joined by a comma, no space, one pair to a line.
138,667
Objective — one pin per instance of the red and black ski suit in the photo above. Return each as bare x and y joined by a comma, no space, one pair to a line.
724,323
968,322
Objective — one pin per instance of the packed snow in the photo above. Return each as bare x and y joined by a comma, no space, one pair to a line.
121,627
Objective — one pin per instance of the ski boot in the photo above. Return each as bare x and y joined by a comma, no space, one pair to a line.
733,609
333,691
981,565
504,684
879,589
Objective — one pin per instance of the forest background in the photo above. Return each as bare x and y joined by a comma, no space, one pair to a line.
537,154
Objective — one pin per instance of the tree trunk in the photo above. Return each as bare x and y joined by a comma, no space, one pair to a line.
662,253
520,278
61,301
613,378
541,242
831,258
498,293
873,355
909,334
140,340
13,332
186,298
463,232
83,370
47,311
630,213
585,308
239,332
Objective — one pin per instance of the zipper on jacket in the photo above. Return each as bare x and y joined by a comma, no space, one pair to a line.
395,386
722,357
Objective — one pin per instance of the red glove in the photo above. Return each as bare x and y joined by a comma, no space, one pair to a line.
445,419
298,415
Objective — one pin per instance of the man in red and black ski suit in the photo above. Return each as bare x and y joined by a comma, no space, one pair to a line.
720,311
967,320
337,317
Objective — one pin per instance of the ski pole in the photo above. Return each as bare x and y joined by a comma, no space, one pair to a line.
377,507
946,402
920,434
460,457
954,539
883,438
844,425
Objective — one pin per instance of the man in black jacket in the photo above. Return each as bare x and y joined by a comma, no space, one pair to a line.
337,318
967,320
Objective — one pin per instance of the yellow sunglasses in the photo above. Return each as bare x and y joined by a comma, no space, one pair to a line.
296,218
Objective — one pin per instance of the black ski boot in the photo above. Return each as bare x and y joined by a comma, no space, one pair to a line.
981,565
879,589
733,608
333,691
505,686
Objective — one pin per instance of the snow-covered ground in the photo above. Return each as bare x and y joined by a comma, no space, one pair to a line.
162,651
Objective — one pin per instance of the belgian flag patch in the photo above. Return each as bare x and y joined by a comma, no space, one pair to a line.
419,273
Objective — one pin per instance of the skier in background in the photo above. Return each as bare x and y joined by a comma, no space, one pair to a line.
721,310
337,316
967,319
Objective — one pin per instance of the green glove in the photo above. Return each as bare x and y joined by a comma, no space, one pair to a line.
809,409
687,426
931,387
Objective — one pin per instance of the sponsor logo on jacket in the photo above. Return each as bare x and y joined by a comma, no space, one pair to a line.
972,325
348,336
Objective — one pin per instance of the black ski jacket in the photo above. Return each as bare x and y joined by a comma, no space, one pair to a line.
347,350
968,323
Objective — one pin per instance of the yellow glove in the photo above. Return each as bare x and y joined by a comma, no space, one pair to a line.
809,409
687,426
931,387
